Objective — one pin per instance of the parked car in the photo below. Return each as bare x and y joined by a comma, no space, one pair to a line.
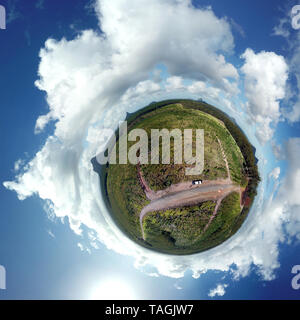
197,182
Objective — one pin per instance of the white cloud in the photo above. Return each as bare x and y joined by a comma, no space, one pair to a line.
218,291
19,164
188,47
83,248
266,74
174,83
200,87
238,28
277,150
90,83
143,88
153,274
283,28
178,286
94,241
275,173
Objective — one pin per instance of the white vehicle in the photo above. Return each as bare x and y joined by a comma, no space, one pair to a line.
197,182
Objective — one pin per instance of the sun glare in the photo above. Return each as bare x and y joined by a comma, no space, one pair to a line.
113,289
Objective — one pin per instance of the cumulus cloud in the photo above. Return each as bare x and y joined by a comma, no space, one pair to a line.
284,210
200,87
143,88
218,291
186,40
92,80
265,74
174,83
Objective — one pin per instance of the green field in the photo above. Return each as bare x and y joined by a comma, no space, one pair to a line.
180,230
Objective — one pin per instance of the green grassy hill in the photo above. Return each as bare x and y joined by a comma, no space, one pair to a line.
179,231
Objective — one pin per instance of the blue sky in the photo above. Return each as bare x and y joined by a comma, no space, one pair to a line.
38,245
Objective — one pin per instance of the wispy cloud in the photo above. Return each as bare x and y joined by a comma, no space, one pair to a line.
51,234
40,4
12,12
178,286
238,28
83,248
28,37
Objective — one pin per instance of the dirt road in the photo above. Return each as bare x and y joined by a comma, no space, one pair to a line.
214,192
187,194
